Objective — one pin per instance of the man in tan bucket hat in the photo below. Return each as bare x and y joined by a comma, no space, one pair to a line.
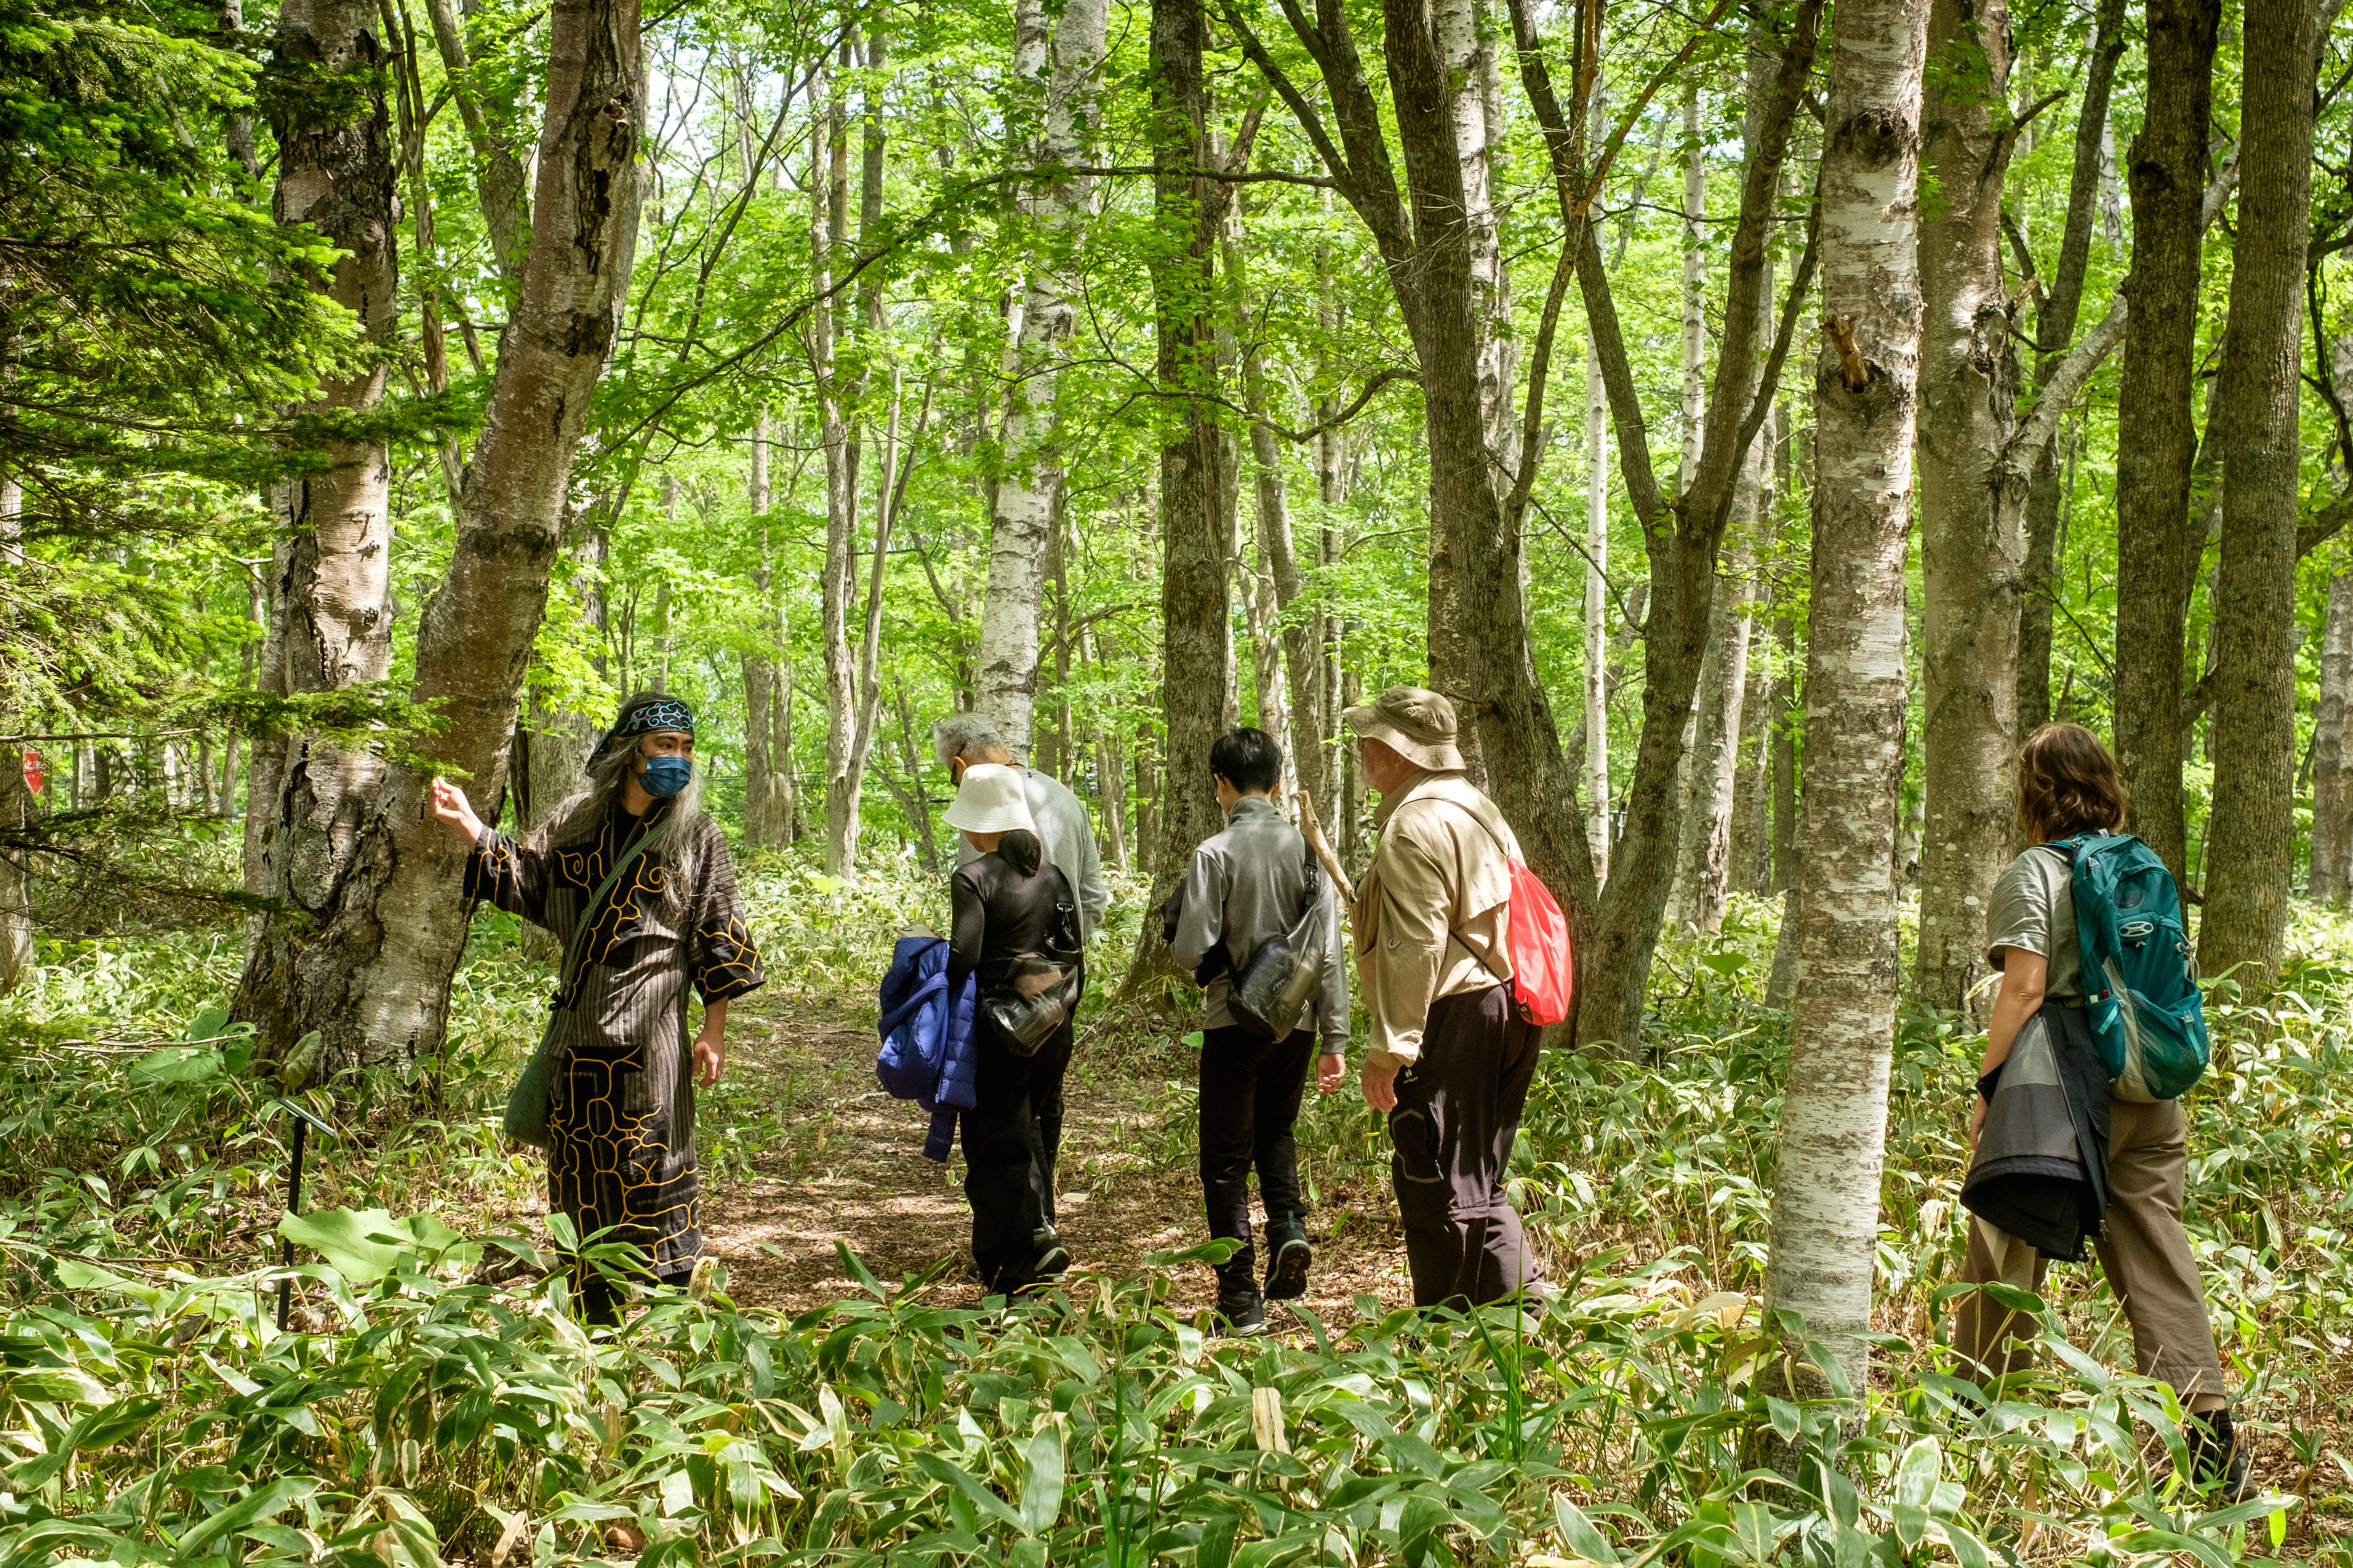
1450,1059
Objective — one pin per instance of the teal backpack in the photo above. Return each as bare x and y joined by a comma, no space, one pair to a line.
2140,977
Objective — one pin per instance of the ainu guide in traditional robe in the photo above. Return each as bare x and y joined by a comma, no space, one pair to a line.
622,1071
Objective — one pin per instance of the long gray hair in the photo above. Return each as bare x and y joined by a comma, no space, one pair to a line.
578,821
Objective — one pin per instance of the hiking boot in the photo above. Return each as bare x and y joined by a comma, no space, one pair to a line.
1287,1260
2217,1458
1240,1313
1053,1257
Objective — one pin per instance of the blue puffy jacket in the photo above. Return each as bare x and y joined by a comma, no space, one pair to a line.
928,1053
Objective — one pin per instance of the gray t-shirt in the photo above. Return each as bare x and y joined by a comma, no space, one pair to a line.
2034,910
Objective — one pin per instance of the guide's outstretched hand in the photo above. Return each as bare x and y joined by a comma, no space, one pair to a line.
450,805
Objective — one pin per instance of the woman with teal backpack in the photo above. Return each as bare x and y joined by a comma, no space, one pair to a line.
2055,1069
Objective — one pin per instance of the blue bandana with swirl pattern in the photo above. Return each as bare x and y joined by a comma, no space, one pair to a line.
644,716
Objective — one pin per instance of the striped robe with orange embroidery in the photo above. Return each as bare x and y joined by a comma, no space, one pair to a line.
621,1097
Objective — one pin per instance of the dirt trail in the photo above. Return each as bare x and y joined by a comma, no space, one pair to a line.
843,1161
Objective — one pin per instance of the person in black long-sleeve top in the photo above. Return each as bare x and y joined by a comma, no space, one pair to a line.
1009,907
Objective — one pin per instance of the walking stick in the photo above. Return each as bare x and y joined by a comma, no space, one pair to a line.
303,1122
1314,829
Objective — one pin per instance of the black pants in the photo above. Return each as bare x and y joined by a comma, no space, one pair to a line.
1011,1137
1458,1111
1250,1089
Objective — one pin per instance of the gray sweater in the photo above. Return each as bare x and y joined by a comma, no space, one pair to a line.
1248,884
1068,835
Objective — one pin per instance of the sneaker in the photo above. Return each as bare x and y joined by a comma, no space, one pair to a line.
1053,1257
2217,1457
1240,1314
1288,1257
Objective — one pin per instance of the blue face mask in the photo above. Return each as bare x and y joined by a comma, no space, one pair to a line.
665,776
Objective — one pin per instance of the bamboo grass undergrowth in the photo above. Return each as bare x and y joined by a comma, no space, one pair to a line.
433,1406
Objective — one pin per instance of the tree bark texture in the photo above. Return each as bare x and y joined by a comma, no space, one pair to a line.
1972,543
1834,1113
1461,34
1597,614
2330,877
366,955
329,582
1061,78
2056,310
1193,651
838,584
2156,439
2251,835
768,730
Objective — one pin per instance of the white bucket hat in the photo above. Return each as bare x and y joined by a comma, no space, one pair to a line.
991,800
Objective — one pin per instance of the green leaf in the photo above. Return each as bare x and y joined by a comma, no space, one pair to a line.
366,1244
1579,1532
1422,1533
1042,1489
1915,1476
176,1064
2242,1512
76,1275
1786,1420
265,1503
956,1476
208,1025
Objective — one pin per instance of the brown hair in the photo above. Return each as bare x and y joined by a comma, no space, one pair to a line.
2068,783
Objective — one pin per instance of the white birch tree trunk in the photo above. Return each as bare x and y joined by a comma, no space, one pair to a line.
1066,72
1834,1111
1694,291
837,588
1464,33
1596,614
2326,879
368,961
1972,520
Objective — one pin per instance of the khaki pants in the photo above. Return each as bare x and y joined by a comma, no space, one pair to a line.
2144,1251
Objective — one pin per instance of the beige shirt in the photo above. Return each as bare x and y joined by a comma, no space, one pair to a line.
1432,915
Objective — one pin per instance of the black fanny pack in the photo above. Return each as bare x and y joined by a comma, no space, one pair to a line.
1039,991
1267,996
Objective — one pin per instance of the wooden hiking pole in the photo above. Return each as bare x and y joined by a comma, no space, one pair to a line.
1331,862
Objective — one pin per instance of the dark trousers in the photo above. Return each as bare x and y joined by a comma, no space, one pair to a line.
1011,1137
1250,1089
1458,1111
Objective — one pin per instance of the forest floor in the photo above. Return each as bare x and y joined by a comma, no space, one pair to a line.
850,1169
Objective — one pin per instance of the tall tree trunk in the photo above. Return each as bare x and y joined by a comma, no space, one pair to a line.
767,807
1194,651
1704,874
1462,35
366,958
837,588
2156,440
1063,76
330,581
1694,378
1596,614
1972,547
16,801
2054,329
1302,654
2327,881
1834,1112
2252,837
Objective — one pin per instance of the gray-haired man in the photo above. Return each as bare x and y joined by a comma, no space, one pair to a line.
967,740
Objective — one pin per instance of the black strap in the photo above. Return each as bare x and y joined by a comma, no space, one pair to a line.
577,948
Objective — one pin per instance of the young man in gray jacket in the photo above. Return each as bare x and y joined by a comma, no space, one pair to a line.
1248,885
